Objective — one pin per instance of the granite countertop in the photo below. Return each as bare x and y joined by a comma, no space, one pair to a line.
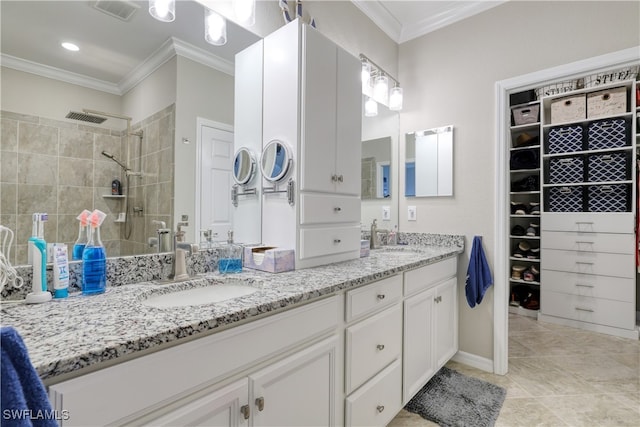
64,336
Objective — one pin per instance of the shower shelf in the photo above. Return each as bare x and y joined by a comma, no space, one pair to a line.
114,196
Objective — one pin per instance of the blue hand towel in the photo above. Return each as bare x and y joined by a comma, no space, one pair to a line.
478,274
24,398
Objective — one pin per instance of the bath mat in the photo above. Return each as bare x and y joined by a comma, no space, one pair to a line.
452,399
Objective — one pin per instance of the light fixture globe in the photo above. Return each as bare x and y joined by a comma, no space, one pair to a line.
215,28
163,10
381,89
370,108
395,99
245,12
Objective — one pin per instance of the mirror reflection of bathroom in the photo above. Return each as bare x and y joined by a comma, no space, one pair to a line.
376,168
428,165
275,162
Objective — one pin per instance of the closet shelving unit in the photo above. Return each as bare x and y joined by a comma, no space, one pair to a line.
532,132
588,244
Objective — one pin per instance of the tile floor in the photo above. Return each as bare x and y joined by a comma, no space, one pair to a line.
560,376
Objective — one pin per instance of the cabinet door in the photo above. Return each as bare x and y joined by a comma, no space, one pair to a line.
299,390
349,124
446,321
223,407
318,113
418,354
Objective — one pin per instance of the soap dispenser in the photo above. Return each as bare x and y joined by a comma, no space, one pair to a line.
230,256
94,263
82,239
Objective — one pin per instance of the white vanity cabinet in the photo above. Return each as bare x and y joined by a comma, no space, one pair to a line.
273,359
430,323
373,353
312,104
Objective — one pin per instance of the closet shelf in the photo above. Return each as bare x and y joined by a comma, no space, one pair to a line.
586,121
578,153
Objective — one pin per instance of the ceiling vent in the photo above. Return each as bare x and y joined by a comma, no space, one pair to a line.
120,9
85,117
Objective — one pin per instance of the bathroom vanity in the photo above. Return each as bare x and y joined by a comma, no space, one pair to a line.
330,345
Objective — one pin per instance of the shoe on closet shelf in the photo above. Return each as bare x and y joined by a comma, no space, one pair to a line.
531,274
534,208
518,208
518,230
516,271
533,230
534,253
532,300
522,250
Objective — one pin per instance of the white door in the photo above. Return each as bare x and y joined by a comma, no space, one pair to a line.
216,156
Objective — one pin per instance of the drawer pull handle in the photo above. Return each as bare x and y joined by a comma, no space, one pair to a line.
582,285
584,222
336,240
260,403
337,209
380,408
245,411
584,263
380,347
586,242
381,296
588,310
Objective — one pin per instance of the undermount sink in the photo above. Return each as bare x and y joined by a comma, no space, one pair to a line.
199,295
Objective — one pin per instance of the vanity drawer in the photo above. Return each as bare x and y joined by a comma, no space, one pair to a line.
617,265
322,241
588,222
378,401
429,275
589,285
371,345
617,314
373,297
321,208
589,242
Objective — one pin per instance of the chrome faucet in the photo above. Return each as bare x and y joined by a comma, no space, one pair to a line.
374,240
180,251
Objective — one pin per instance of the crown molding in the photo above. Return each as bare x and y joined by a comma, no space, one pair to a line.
59,74
381,17
445,18
168,50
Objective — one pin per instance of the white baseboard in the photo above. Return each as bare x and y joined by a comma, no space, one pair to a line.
474,361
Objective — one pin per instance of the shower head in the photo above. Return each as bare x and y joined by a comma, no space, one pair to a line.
112,157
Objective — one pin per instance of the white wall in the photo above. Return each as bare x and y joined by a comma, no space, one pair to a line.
200,92
449,78
28,93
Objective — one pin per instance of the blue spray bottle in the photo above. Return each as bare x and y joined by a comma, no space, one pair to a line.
38,258
82,240
94,258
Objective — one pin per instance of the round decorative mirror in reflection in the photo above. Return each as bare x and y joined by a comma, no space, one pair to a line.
276,159
244,166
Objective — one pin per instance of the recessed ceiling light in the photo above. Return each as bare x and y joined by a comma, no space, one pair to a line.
70,46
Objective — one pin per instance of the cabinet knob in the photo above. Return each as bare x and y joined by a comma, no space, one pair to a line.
340,178
337,209
381,296
380,347
246,411
380,408
260,403
334,178
337,240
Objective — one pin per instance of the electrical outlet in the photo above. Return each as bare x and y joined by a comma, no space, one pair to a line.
386,213
412,213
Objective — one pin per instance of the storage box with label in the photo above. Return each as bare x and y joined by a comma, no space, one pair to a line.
526,114
269,258
607,102
568,109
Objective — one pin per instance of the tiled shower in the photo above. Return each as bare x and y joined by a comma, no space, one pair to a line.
56,166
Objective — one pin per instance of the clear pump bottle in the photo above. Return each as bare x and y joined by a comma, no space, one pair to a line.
83,238
230,257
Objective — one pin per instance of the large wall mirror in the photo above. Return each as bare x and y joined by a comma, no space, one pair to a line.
111,50
379,189
428,165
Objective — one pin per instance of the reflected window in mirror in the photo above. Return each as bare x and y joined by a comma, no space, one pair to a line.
376,168
429,162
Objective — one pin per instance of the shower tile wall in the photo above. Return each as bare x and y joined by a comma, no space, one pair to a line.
56,167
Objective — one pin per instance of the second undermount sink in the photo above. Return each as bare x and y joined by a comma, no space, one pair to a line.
199,295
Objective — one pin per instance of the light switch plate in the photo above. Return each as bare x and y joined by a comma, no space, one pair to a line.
412,213
386,213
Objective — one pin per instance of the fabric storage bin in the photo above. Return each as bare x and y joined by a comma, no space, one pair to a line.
609,167
565,139
523,97
607,102
568,109
564,170
524,159
609,198
565,199
526,114
612,133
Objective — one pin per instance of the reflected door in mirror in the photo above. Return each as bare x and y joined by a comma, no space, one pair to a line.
429,163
